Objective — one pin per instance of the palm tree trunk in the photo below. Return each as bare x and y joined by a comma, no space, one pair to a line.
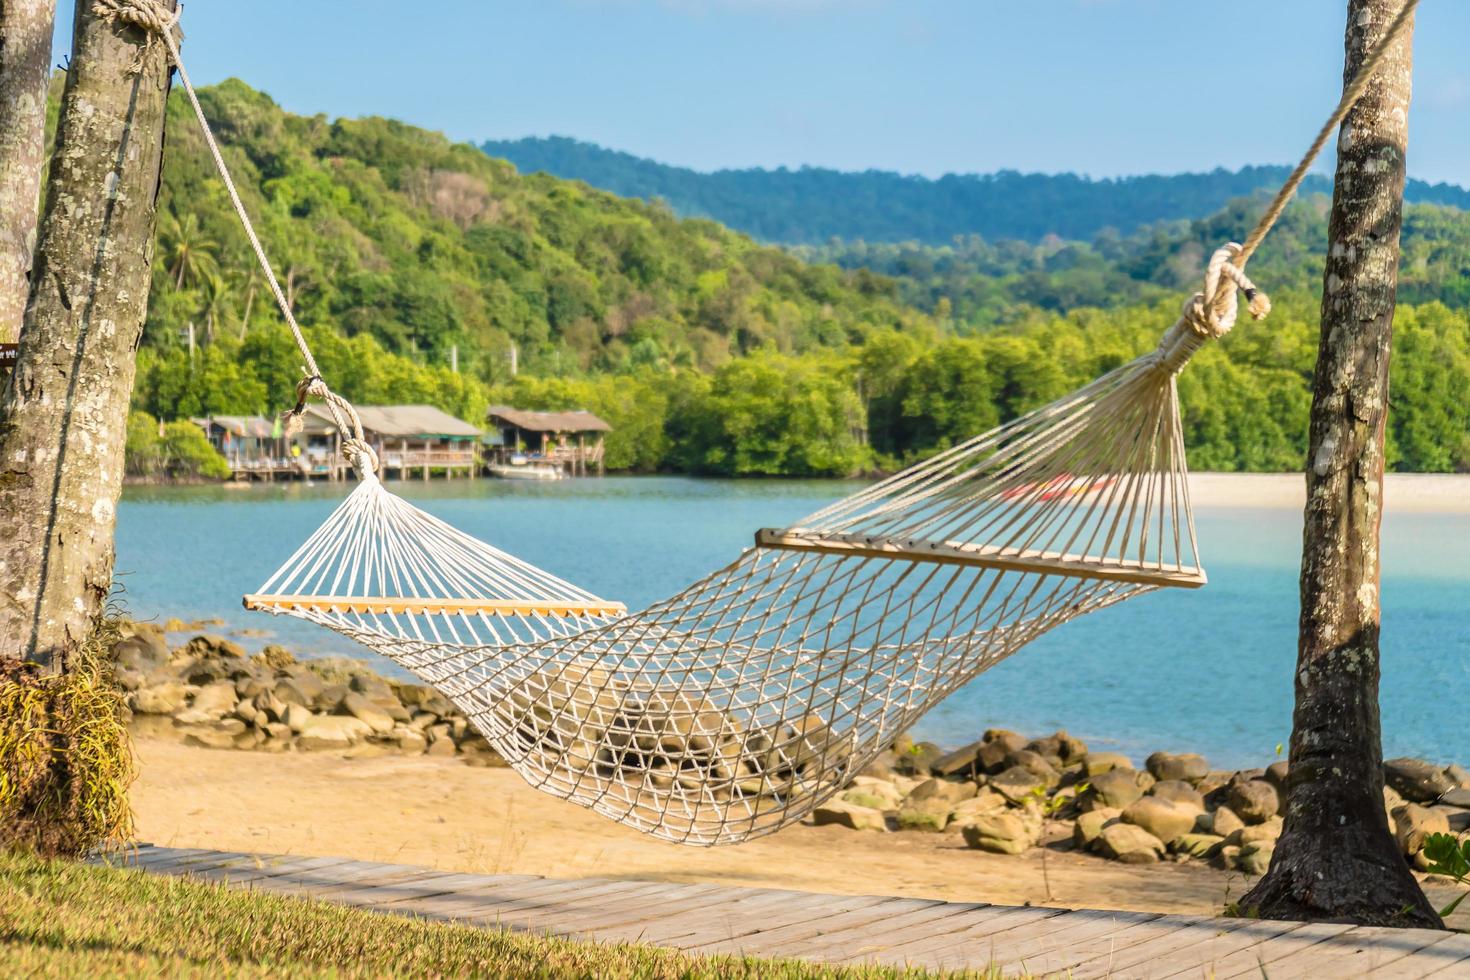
25,57
63,415
1336,860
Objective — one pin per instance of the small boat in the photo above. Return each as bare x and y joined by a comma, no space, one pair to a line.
522,468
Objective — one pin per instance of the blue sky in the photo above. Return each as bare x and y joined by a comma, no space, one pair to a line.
1102,87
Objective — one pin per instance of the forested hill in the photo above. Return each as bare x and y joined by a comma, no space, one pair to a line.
813,205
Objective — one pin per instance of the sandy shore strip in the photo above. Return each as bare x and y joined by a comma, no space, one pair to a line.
444,814
1422,493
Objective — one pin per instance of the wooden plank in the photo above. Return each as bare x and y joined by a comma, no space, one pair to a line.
784,920
1203,937
1250,961
444,607
577,917
1359,952
274,868
982,556
164,857
1039,942
553,914
986,922
809,941
917,926
747,911
659,904
1450,957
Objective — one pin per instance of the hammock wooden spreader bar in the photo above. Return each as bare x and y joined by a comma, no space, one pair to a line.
735,707
982,556
407,605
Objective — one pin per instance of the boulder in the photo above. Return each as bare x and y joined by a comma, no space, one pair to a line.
881,766
1412,823
918,759
1416,780
211,646
1215,787
217,699
930,815
1115,788
1255,833
329,699
859,796
409,742
300,687
1459,774
1089,826
991,757
1036,763
1009,740
161,699
1227,857
421,697
440,747
1456,797
1178,791
961,762
128,679
1196,845
1458,818
1189,768
1002,833
251,686
208,737
847,815
1276,775
1162,818
1255,858
139,652
1018,784
1255,800
1130,844
331,732
986,801
1222,821
358,706
1098,763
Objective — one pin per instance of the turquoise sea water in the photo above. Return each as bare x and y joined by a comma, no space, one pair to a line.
1207,671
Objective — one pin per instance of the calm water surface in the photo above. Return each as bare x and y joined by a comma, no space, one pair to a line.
1207,670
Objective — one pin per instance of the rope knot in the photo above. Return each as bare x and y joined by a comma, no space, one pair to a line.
153,16
1212,311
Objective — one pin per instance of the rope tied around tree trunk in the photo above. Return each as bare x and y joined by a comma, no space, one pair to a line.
153,16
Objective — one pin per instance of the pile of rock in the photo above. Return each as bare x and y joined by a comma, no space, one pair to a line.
1006,794
209,692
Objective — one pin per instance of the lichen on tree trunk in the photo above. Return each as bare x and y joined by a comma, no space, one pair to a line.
25,59
63,416
1336,860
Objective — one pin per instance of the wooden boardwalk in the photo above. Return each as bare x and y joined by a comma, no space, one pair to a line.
841,928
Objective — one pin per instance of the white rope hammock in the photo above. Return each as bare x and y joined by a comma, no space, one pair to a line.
738,705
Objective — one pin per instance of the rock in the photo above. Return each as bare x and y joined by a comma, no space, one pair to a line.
919,759
1036,763
251,686
1223,821
161,699
1255,858
277,730
861,797
846,815
991,757
409,741
1162,818
217,699
423,698
331,732
961,762
1098,763
1255,800
128,679
1009,740
1227,858
986,801
299,688
1459,774
901,744
1115,788
881,766
1412,823
1215,784
1178,791
249,714
139,653
208,737
274,657
1416,780
212,646
1001,833
1089,826
297,717
329,699
1456,797
878,789
267,704
1276,776
1196,845
1018,784
1254,834
440,747
942,789
364,710
1458,818
1130,844
1190,768
930,815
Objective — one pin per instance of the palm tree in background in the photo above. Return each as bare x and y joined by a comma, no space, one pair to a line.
189,252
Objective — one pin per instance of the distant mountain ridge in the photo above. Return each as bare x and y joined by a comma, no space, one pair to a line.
813,205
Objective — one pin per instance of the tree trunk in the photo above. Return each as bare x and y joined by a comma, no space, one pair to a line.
25,58
63,416
1336,860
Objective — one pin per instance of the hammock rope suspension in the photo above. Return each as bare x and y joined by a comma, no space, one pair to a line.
736,706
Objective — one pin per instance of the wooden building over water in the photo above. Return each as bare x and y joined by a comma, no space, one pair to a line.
571,441
410,440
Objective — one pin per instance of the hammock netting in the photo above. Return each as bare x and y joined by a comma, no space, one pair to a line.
738,705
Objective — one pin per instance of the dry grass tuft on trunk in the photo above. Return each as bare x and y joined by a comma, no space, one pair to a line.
66,760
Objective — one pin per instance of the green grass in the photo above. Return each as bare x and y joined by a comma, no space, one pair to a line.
61,919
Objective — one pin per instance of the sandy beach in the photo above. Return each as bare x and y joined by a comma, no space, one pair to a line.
444,814
1416,493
